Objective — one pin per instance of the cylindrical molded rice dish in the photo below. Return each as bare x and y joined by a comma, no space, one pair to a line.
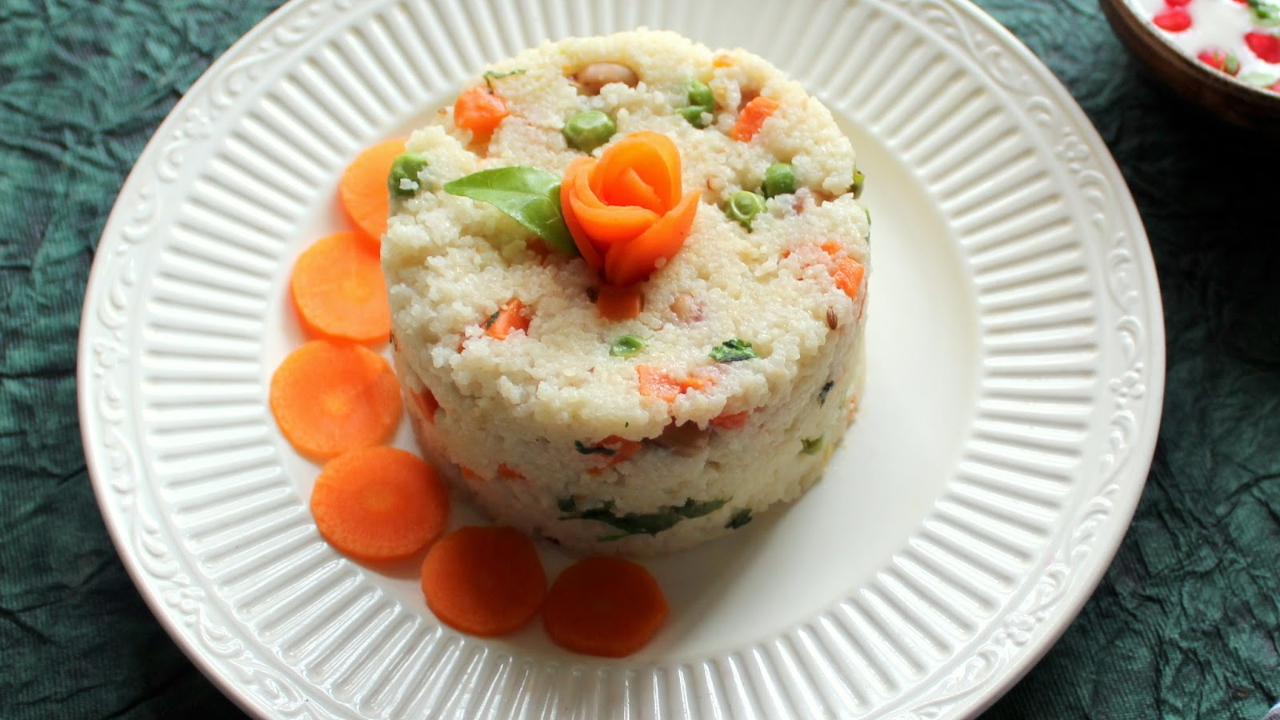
744,366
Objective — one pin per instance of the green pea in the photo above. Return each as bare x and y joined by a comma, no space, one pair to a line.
779,179
701,101
693,114
626,346
700,94
858,179
743,206
588,130
811,446
404,168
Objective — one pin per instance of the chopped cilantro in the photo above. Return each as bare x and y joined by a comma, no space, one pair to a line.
811,446
733,351
822,395
639,523
740,518
490,76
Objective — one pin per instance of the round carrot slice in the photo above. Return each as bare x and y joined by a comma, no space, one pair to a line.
338,289
379,503
484,581
330,397
604,606
363,189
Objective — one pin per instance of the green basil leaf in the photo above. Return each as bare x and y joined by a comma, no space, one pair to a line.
528,195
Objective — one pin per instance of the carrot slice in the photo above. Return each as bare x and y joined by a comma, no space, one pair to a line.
752,118
656,382
329,398
580,240
509,317
363,189
619,303
379,503
484,581
632,262
338,290
604,606
480,111
731,422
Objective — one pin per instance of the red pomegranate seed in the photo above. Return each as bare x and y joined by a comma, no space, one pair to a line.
1177,3
1264,45
1218,60
1173,19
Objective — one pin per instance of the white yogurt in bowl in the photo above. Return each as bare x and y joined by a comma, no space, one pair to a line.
1238,37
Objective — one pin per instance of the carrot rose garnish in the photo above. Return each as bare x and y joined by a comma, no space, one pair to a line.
626,211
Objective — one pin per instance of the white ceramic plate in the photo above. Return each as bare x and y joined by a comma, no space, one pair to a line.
1016,371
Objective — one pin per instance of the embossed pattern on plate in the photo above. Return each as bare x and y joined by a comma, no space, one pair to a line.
1016,359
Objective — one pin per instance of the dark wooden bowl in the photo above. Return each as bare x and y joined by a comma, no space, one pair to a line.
1231,99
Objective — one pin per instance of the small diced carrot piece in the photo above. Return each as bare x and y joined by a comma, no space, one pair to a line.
752,118
619,303
508,318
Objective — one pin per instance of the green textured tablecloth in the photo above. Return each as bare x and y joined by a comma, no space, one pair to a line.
1185,624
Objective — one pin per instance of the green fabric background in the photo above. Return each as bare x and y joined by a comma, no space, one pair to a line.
1185,624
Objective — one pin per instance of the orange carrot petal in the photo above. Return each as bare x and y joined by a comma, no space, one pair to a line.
752,118
509,317
629,189
604,606
485,581
619,303
652,156
379,503
604,223
580,240
363,193
329,398
338,290
632,262
479,111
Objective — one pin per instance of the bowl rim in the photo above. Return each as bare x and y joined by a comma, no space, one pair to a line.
1231,83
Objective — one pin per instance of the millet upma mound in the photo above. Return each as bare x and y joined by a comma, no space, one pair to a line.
627,279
